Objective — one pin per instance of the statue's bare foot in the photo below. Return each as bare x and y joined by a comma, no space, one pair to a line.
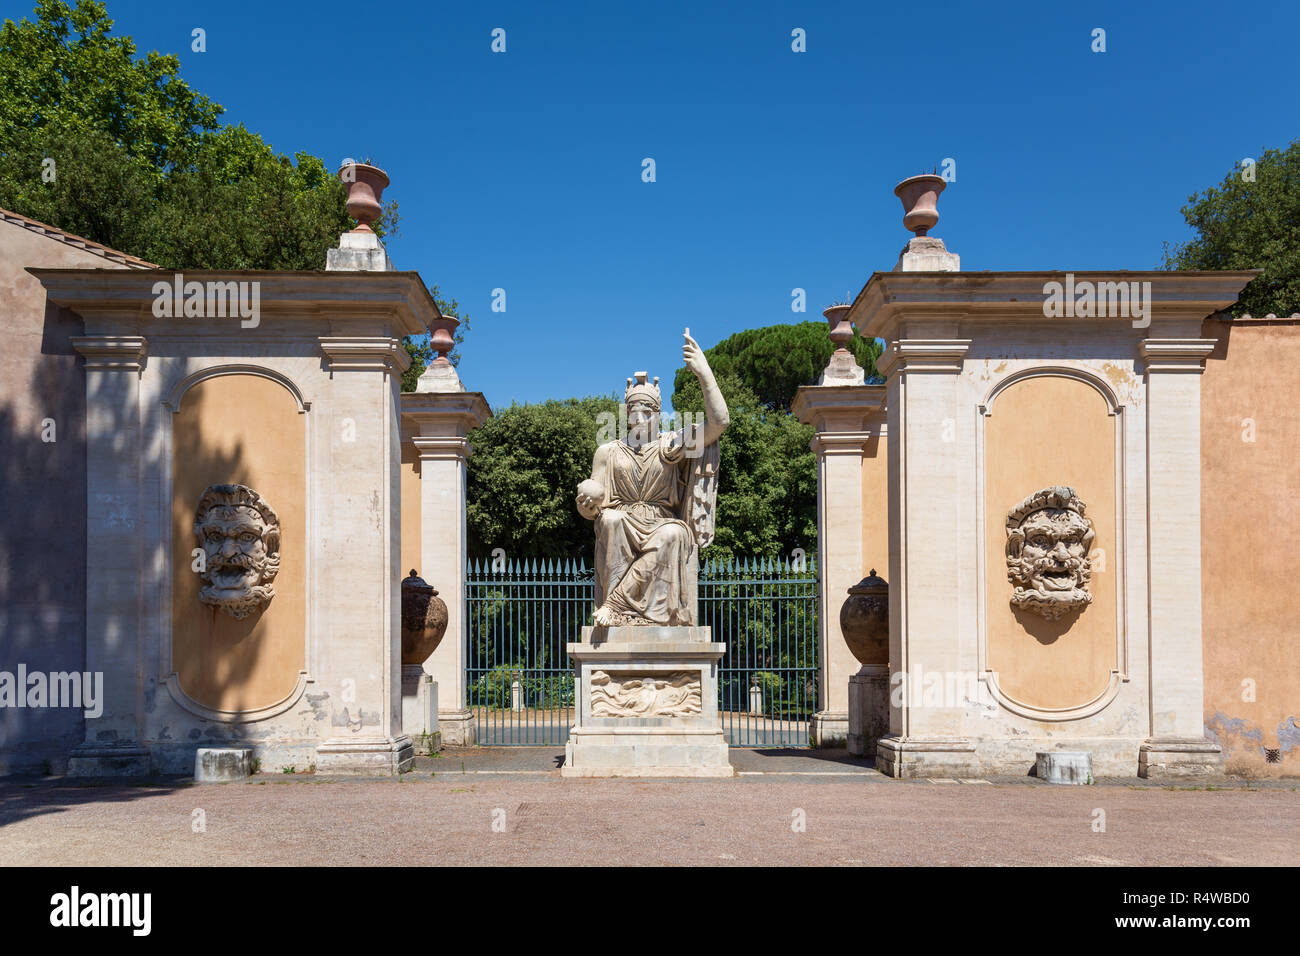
604,616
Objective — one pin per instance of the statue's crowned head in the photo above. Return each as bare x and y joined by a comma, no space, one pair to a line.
641,399
641,392
1049,538
240,536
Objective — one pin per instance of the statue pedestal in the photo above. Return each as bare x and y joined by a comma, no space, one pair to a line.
647,704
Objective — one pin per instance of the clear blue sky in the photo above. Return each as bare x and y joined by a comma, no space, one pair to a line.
775,169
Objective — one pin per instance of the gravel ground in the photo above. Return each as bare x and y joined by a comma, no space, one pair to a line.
508,807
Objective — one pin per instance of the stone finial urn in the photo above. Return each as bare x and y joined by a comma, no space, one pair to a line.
442,336
920,195
424,619
837,316
365,193
864,620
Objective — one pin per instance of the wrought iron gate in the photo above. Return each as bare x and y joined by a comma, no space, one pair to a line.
520,680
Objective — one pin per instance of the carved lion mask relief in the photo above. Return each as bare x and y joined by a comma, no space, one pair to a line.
1048,542
240,536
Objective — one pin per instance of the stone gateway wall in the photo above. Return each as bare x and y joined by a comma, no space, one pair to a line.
1250,523
43,487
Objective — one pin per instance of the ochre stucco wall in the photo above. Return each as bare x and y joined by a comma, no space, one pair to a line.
1050,431
239,429
1250,526
410,509
875,512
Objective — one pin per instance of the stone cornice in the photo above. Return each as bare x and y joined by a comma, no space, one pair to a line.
890,297
923,355
122,352
442,414
837,408
127,296
1176,355
442,448
364,353
841,443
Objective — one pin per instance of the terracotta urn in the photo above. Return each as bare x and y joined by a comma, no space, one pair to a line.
365,193
919,195
442,337
424,619
841,328
864,620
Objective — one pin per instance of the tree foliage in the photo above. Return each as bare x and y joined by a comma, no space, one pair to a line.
1242,224
774,361
767,486
527,462
118,148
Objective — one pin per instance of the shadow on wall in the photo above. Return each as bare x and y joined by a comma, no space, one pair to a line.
42,536
43,560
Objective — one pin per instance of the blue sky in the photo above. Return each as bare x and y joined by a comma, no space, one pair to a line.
775,170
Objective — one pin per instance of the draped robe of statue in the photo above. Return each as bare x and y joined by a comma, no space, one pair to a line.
658,514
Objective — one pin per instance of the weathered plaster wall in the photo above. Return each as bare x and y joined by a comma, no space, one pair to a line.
43,490
1051,431
239,429
1250,483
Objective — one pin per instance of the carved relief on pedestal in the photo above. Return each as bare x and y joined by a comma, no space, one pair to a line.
676,694
1048,542
240,537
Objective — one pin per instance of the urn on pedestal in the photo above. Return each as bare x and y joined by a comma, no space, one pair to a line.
864,620
424,620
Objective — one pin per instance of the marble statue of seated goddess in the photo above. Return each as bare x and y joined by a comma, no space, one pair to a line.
652,497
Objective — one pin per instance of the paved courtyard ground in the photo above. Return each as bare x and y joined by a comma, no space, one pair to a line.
509,806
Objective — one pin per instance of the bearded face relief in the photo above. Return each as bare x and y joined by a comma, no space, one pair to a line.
240,536
1049,538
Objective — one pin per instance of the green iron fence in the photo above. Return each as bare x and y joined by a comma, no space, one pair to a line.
521,614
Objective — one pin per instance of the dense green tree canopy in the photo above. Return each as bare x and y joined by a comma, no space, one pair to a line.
1245,224
118,148
774,361
527,462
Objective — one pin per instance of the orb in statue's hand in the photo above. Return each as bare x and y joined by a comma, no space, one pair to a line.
591,495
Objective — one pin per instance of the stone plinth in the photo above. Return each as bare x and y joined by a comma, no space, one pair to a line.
868,710
927,254
647,704
1179,758
358,252
420,709
222,764
1065,766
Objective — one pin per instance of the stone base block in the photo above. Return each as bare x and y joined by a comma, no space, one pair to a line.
457,728
365,756
868,711
927,254
420,710
829,728
842,369
358,252
222,764
645,752
926,757
1065,766
647,704
1179,759
122,761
